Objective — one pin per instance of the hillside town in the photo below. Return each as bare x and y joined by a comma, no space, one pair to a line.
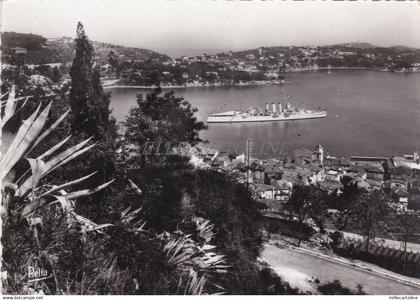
262,65
272,180
265,65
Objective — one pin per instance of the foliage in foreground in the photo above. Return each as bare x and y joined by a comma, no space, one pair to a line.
44,231
29,203
169,229
335,288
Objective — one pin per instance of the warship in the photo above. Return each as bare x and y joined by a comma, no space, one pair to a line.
258,114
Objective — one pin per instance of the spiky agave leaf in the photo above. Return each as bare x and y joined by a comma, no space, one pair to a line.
4,95
38,203
20,143
194,260
55,162
128,216
195,284
54,148
37,169
49,130
24,102
10,105
184,253
204,228
211,262
67,155
87,192
64,199
33,206
135,187
179,252
67,184
86,224
65,204
98,227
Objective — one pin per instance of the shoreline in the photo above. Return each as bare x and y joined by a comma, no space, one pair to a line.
256,83
337,68
260,83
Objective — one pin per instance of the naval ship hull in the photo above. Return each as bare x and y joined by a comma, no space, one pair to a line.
237,117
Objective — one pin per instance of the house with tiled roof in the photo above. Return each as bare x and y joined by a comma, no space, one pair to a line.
331,186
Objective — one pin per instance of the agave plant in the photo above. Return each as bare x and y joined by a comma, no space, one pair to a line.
196,260
27,188
131,220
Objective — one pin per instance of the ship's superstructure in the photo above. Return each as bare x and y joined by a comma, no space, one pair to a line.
257,114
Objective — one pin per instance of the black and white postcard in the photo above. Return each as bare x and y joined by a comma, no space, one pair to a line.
182,147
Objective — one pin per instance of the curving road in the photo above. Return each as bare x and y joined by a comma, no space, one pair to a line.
284,260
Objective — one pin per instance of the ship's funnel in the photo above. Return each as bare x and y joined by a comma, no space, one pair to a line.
267,108
274,107
280,108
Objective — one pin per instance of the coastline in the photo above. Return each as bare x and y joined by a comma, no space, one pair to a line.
336,68
254,83
350,68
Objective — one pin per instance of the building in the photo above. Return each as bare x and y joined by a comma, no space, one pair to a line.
19,50
319,155
331,186
414,201
265,191
354,172
316,156
272,75
281,191
336,163
376,172
334,174
257,172
409,161
402,197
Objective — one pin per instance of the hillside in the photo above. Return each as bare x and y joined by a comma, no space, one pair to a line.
41,50
356,45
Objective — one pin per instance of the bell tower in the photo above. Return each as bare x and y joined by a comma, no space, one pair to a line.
319,151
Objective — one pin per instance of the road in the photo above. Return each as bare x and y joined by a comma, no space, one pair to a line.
295,266
413,247
385,242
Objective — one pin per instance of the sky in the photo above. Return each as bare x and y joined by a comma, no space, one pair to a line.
186,26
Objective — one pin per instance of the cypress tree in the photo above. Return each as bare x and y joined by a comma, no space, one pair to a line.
91,116
89,104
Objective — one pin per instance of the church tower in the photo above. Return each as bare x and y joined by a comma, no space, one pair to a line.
319,152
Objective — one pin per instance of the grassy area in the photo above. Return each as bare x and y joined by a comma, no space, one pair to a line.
287,228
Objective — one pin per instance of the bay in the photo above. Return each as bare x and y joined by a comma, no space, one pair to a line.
370,113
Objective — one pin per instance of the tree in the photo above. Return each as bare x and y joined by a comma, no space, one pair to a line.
173,192
113,61
335,288
55,75
90,116
405,222
346,202
89,104
370,211
307,201
162,123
